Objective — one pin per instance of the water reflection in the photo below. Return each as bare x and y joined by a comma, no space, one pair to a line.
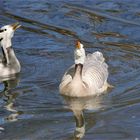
44,45
9,96
78,105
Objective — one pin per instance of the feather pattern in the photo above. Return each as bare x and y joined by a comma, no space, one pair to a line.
96,70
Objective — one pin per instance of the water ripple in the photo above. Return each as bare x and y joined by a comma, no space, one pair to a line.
31,105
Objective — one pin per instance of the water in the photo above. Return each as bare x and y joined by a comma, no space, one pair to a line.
31,106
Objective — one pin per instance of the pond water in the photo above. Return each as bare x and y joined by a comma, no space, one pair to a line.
31,107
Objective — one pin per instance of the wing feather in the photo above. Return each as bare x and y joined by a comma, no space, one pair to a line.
67,77
95,70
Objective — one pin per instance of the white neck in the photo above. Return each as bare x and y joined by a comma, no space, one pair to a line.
79,55
5,43
13,61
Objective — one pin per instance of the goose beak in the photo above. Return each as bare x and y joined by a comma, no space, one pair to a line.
15,26
78,44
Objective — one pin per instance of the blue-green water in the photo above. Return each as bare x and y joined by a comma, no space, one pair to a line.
31,107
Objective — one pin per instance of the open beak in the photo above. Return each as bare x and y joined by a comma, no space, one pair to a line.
78,44
15,26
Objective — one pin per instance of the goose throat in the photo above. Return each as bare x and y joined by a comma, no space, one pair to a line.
78,69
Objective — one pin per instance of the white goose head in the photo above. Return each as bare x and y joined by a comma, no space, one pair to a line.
79,53
6,34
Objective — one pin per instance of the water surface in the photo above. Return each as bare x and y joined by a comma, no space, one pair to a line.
31,107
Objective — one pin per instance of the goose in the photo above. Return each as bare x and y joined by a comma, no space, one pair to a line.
10,64
88,76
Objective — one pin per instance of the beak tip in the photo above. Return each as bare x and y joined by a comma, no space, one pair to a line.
16,25
78,44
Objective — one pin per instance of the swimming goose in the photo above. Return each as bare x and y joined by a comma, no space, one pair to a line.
10,64
87,77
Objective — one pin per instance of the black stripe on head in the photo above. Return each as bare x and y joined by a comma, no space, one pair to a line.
4,56
1,31
1,39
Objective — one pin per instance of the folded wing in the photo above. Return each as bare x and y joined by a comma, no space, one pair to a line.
95,70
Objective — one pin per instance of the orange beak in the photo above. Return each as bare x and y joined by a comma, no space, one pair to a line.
78,44
15,26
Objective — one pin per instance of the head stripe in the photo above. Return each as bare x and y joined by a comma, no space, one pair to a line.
1,39
1,31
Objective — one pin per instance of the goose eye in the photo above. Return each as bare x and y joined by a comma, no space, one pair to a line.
5,29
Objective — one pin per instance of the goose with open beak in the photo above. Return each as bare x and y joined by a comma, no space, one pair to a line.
10,64
88,76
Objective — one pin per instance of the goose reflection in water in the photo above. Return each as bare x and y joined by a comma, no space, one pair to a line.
79,104
9,97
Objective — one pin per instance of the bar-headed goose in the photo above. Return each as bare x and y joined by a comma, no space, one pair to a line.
87,77
10,64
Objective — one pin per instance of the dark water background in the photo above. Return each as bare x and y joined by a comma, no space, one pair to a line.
30,105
